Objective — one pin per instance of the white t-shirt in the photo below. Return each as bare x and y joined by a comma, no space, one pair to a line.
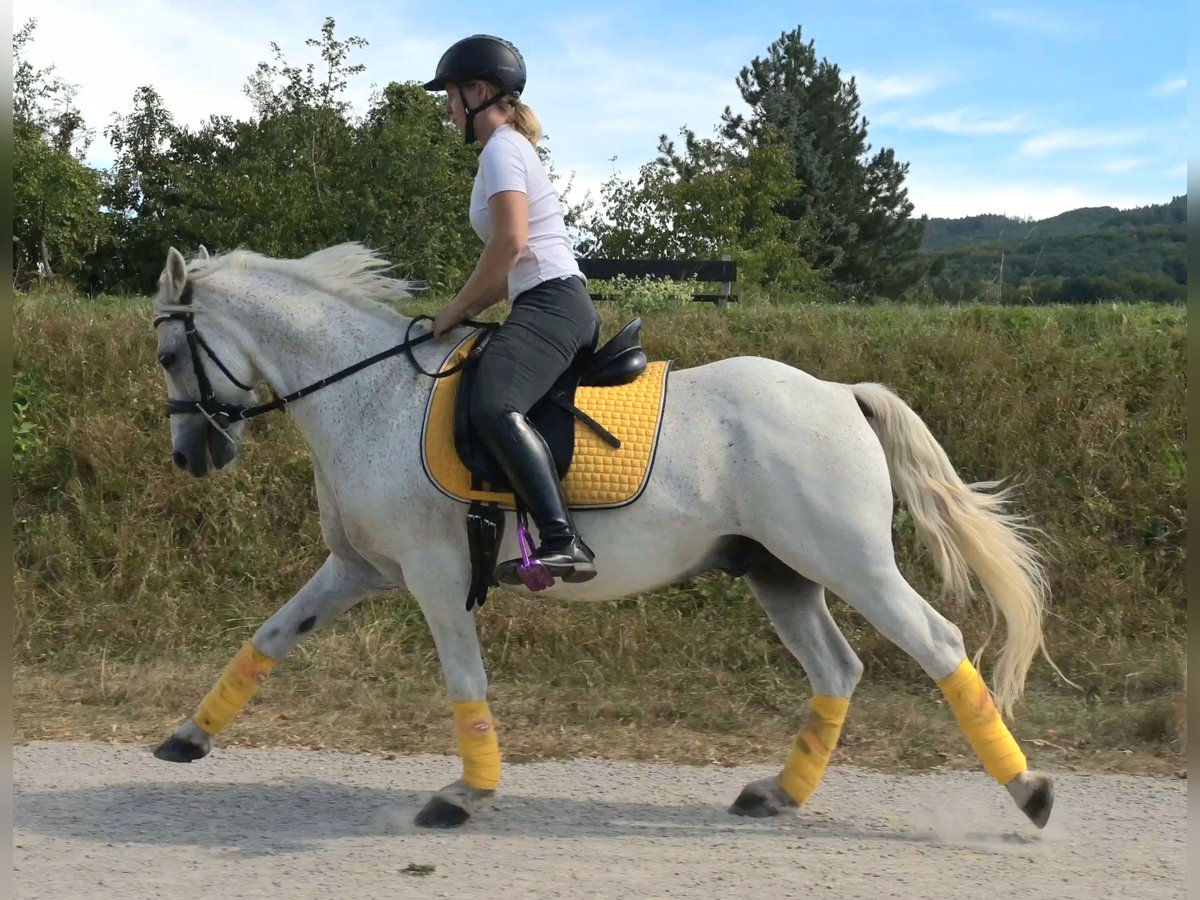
508,162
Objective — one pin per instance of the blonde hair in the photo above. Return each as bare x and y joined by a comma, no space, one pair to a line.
519,115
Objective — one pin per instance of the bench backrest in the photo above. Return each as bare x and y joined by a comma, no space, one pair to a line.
721,270
673,269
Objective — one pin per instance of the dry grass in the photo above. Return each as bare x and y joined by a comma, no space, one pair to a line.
314,702
126,568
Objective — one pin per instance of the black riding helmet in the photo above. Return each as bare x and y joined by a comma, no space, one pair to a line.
481,57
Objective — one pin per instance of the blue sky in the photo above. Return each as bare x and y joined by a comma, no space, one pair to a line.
1021,108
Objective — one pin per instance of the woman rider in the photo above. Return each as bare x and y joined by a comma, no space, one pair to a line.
527,257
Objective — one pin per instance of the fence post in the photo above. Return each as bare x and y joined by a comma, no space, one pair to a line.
727,287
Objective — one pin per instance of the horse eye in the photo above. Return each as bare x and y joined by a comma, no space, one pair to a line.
166,360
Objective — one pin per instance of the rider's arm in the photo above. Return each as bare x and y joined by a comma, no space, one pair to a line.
488,284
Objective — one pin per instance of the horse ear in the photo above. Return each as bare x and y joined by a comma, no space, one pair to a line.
203,254
174,274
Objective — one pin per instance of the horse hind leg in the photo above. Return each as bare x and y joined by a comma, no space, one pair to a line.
876,588
796,607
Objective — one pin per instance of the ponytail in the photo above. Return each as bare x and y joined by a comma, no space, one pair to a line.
518,115
523,119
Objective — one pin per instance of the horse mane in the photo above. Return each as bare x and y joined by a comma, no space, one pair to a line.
350,271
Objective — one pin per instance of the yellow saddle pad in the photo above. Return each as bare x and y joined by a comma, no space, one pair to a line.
599,477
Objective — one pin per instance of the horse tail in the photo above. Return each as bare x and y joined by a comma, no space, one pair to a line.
966,529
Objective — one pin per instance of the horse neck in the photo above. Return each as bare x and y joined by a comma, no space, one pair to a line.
301,335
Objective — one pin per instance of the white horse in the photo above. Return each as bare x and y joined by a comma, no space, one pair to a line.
761,469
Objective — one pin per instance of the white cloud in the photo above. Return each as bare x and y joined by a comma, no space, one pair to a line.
877,89
1170,86
967,121
608,98
1125,164
109,57
1079,139
597,93
1023,199
1032,20
194,57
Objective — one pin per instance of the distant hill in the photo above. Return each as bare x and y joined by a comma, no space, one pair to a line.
1085,255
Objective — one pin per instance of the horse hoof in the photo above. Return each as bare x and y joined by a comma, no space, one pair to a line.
1040,801
755,803
180,750
439,813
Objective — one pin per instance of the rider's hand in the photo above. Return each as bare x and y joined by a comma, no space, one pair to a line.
445,321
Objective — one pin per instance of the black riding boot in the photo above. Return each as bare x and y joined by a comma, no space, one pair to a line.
527,462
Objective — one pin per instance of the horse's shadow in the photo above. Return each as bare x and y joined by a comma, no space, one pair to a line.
260,819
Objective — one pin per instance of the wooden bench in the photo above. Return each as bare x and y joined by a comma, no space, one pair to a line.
723,271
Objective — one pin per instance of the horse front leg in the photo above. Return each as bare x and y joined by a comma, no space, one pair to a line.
453,628
338,585
796,607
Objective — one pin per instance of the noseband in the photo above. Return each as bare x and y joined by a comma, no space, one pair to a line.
219,413
222,414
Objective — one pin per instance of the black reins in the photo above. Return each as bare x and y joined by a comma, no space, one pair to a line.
222,415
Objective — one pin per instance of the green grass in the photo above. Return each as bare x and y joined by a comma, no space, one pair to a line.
126,566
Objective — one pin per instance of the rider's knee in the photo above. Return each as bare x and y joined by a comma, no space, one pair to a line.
486,414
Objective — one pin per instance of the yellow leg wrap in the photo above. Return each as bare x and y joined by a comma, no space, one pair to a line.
477,744
813,746
980,721
234,689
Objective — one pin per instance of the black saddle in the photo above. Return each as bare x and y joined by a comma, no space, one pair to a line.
620,361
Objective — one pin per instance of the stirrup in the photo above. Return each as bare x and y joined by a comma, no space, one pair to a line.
532,572
527,570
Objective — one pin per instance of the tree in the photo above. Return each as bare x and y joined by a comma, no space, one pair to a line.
56,217
414,201
301,173
142,198
853,203
708,198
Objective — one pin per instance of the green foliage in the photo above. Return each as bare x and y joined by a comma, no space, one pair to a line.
56,216
1084,256
716,196
415,204
1007,231
44,102
851,206
25,432
644,295
144,203
302,173
791,192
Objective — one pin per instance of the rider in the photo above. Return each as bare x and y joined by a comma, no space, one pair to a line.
527,257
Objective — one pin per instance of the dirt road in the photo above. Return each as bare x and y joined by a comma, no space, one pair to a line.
100,821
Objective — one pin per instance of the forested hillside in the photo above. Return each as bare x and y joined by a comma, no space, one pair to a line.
1081,256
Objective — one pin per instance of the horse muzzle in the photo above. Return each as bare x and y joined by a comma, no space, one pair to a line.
200,447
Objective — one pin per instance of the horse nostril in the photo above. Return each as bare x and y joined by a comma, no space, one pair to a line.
179,459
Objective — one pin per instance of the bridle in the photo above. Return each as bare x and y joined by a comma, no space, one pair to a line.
222,414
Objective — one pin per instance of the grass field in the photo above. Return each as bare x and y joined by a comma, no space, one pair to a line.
135,583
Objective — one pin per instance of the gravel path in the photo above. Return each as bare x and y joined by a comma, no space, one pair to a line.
101,821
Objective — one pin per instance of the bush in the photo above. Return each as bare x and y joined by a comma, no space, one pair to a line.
645,295
25,432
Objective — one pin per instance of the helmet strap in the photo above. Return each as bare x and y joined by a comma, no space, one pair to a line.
469,135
